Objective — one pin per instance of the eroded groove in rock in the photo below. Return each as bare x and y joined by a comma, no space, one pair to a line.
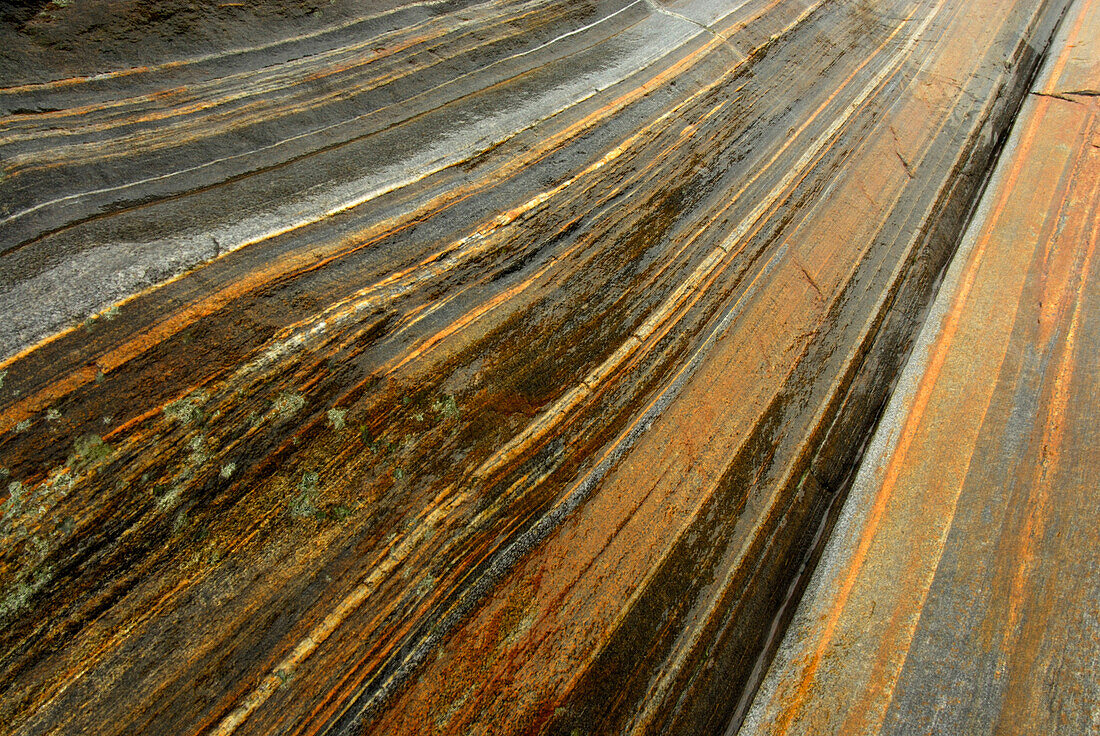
959,592
457,366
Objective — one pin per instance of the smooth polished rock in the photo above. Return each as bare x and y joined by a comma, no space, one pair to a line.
960,591
455,367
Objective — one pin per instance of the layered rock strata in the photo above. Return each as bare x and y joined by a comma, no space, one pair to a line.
455,367
959,592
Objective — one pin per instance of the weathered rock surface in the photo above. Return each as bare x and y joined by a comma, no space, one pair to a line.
960,592
455,367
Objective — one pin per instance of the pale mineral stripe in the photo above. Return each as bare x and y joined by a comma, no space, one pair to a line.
435,167
20,88
553,415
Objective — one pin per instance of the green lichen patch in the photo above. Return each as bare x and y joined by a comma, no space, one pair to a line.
304,503
89,449
200,455
288,403
284,676
336,418
340,512
20,593
60,481
189,409
227,470
446,407
167,498
13,506
302,506
16,599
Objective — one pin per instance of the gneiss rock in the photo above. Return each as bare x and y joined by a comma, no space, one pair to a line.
606,296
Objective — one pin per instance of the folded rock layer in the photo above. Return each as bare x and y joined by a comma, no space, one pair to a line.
455,367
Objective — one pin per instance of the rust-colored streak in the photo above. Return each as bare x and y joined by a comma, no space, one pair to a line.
940,607
474,367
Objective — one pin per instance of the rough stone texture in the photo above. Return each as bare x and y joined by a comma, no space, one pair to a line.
455,367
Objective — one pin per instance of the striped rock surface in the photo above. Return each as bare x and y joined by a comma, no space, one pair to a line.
455,367
961,591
